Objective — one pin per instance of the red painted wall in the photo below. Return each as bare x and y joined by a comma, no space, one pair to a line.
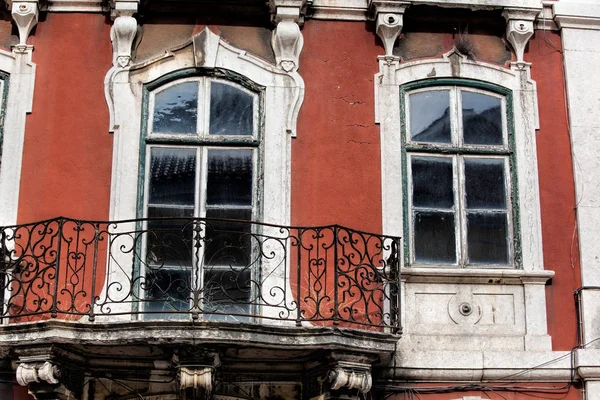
68,151
557,190
336,158
521,391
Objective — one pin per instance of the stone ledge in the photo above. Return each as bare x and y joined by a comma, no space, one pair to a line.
205,333
477,276
579,14
527,366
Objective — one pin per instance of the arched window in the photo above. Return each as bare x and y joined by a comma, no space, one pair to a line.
201,145
459,166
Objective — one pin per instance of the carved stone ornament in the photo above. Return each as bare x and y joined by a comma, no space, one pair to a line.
196,379
287,44
25,14
348,378
388,29
519,29
122,35
35,372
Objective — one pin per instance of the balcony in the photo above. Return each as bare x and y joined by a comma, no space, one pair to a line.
199,270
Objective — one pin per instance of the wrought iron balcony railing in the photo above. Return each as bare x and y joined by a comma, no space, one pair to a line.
199,269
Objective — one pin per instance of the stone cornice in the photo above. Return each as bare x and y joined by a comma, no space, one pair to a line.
577,14
157,332
481,276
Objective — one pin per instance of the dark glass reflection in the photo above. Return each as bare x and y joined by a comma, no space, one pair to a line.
229,178
487,238
432,182
484,183
172,176
228,243
176,109
434,237
231,110
169,242
430,117
168,291
482,118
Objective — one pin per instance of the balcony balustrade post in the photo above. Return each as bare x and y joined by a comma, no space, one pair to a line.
336,300
298,276
54,308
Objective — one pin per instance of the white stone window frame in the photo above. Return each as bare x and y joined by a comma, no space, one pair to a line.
454,152
19,103
455,66
282,97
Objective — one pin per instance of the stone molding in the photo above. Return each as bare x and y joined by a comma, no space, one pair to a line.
578,14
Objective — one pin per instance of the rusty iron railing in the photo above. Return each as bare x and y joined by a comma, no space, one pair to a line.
197,268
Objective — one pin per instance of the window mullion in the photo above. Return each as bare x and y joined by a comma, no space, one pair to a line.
461,213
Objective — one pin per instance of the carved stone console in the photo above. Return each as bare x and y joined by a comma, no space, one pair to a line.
287,41
125,33
39,369
519,29
25,15
197,368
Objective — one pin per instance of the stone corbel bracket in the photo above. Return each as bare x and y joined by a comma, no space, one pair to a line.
36,372
197,371
519,29
350,372
287,40
125,33
389,20
25,14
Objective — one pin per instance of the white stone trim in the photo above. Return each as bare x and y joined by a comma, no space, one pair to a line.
360,10
283,96
18,103
525,116
86,6
579,14
494,366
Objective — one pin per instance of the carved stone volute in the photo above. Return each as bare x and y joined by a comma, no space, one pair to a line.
197,368
287,40
25,14
389,20
519,29
125,33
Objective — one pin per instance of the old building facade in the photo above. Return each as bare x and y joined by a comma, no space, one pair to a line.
299,199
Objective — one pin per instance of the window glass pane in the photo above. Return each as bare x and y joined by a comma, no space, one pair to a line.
487,238
231,110
176,109
228,243
482,118
434,237
484,183
227,290
172,176
229,178
432,182
169,242
430,117
168,291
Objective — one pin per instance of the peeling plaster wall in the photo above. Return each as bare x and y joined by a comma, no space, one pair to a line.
557,188
336,157
67,152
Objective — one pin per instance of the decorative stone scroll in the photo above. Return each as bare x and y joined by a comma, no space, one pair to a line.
125,33
519,29
25,14
287,40
36,372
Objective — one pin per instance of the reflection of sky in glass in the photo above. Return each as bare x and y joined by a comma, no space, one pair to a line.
176,109
479,102
427,108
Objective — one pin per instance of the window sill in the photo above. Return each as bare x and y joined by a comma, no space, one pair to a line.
475,275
